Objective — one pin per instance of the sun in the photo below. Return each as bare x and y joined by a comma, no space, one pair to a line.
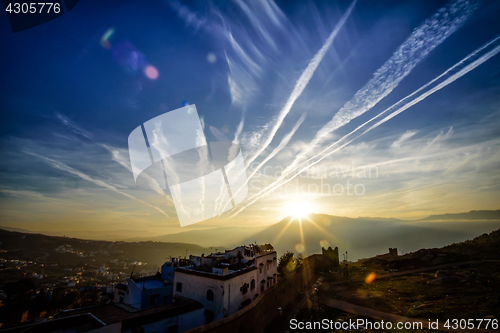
298,209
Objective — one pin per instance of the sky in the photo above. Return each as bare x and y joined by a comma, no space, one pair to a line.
387,109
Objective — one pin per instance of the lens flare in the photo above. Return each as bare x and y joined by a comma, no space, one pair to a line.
105,38
324,244
290,266
184,103
326,221
370,278
151,72
300,248
211,58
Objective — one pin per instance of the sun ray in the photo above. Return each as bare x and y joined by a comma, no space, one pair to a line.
277,238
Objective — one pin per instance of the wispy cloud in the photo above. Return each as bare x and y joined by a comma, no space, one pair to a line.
73,126
463,67
300,85
425,38
403,138
63,167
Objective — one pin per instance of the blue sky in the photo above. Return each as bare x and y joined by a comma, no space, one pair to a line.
284,80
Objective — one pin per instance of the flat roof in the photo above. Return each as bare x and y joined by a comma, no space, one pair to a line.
216,276
113,313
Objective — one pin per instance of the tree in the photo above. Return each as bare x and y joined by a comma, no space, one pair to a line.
298,259
285,263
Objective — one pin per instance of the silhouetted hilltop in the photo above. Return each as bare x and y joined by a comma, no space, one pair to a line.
472,215
485,246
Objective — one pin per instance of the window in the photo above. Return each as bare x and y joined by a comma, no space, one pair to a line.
262,288
252,285
209,316
178,287
153,299
244,288
173,329
210,295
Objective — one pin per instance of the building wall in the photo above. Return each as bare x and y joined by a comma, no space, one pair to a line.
191,320
133,296
228,295
167,272
164,293
267,270
160,326
262,311
139,298
235,297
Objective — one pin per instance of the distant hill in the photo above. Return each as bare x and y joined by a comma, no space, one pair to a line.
472,215
42,248
26,231
367,237
217,238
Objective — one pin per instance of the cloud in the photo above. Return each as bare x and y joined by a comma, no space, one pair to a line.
402,138
63,167
470,62
430,34
300,85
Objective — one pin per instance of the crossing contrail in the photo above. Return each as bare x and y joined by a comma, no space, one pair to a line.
301,83
425,38
455,72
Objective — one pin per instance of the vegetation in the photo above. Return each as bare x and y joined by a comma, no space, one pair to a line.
410,286
285,263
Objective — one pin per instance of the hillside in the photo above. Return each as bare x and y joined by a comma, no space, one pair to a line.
44,249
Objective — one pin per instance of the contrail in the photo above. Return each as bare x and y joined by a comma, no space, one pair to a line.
453,73
115,153
302,82
283,143
63,167
431,33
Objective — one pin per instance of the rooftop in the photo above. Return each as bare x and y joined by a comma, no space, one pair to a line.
113,313
221,277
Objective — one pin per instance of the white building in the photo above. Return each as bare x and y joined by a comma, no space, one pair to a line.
226,282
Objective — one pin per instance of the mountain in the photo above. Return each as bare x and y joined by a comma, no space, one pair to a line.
220,237
366,237
26,231
472,215
43,248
